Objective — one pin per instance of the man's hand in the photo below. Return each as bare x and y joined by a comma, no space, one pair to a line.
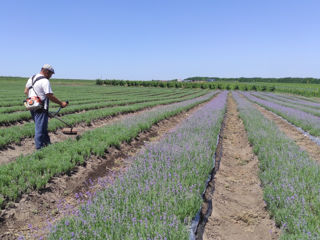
64,104
56,100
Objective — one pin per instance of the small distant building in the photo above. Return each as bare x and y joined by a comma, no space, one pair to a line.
211,79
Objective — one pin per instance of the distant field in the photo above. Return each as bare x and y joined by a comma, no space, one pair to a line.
156,192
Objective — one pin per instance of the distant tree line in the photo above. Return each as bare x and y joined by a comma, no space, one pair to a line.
257,79
176,84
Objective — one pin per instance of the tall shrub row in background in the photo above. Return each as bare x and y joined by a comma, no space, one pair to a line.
176,84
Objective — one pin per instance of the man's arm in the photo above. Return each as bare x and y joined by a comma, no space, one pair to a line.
26,91
56,100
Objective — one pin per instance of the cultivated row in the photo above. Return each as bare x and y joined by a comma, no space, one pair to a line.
7,119
291,180
307,121
160,193
33,171
15,134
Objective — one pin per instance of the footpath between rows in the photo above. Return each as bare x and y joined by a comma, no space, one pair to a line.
238,209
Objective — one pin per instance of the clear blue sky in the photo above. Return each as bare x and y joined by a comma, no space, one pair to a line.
144,40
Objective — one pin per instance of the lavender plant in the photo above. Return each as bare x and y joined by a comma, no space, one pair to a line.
290,179
294,100
306,121
17,133
289,103
161,191
10,118
34,171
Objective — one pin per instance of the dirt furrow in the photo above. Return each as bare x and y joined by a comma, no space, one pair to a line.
238,209
303,141
59,195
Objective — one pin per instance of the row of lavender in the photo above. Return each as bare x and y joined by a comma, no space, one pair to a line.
296,101
35,170
296,104
160,192
291,180
295,112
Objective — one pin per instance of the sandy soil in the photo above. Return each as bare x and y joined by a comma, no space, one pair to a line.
303,141
238,209
58,197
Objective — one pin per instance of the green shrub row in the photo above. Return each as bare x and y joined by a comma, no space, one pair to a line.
202,85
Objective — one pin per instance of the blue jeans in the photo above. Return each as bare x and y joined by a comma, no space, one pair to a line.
40,118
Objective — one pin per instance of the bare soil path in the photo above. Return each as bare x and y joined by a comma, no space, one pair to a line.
59,196
303,141
238,209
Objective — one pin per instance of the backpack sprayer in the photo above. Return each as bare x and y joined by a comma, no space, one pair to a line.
69,130
34,103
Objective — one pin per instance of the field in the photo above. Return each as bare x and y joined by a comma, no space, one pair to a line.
161,163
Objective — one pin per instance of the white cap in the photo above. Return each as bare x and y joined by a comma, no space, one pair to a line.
49,67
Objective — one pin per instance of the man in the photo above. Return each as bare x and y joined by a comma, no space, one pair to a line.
39,85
